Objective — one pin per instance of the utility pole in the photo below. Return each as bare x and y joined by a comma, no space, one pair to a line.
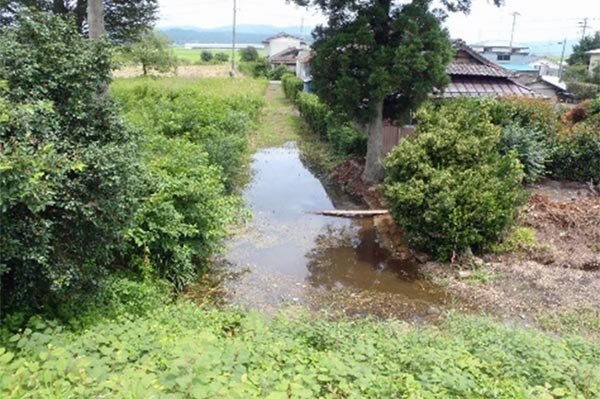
584,26
233,38
302,27
514,25
562,58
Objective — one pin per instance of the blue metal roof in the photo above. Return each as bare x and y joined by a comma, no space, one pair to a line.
518,67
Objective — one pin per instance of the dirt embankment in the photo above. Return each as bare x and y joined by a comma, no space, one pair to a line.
558,274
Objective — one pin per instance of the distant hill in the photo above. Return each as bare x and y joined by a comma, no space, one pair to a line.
245,33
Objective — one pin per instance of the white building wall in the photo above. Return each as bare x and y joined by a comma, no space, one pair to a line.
278,45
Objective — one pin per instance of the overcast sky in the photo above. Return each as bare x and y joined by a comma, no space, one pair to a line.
539,19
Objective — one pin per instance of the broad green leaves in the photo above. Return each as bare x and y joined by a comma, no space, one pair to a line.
184,351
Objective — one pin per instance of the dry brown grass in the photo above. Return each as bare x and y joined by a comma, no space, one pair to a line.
185,71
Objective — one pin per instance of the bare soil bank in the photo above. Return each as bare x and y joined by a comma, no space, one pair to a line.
555,283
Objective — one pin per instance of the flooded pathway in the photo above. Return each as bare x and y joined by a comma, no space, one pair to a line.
287,255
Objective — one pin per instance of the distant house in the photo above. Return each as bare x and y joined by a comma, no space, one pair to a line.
282,41
594,59
551,87
546,67
473,75
287,58
515,59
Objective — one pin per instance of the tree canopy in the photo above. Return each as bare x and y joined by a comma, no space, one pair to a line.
372,50
587,43
126,20
153,51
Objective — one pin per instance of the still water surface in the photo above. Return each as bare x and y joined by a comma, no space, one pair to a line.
287,255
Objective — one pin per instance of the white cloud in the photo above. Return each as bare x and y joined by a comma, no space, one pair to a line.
539,19
216,13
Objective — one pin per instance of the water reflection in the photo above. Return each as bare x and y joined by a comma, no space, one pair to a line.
293,255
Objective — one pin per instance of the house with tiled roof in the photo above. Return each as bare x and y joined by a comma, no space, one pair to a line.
473,75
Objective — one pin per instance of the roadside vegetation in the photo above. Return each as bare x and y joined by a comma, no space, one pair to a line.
181,349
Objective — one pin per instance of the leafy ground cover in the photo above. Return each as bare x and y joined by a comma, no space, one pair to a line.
185,351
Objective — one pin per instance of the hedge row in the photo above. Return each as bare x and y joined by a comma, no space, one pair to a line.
332,127
292,86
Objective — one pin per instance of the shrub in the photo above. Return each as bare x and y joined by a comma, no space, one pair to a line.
194,146
344,138
576,155
534,114
261,68
531,148
69,168
292,85
249,54
448,187
280,71
184,216
314,112
206,56
221,57
220,124
584,91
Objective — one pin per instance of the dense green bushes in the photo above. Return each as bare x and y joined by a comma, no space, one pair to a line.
576,155
531,147
335,128
569,138
83,194
185,350
292,86
181,108
68,166
449,187
193,147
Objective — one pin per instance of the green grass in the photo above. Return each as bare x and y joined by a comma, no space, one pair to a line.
582,321
279,123
182,350
519,239
214,87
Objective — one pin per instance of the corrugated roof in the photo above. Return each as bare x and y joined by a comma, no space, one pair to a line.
472,86
519,67
287,56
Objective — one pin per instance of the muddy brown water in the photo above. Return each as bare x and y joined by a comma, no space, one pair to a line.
285,255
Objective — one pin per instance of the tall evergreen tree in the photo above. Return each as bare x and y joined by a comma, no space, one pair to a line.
371,50
125,20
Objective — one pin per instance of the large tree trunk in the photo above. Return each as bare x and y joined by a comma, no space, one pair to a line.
95,11
374,169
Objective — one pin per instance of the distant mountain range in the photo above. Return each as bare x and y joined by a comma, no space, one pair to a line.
255,34
246,34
